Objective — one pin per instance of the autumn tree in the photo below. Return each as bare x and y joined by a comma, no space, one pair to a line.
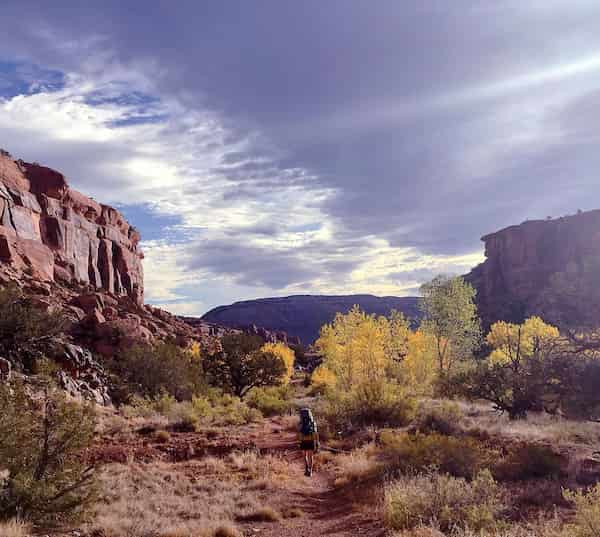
361,349
361,355
285,354
525,371
450,319
242,364
418,370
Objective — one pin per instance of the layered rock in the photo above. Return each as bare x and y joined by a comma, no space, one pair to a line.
57,234
522,262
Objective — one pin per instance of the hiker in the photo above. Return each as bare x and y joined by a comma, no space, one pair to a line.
309,439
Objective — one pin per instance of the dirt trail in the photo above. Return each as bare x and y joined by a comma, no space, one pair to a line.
326,510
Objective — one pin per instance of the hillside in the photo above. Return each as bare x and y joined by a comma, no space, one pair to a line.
303,315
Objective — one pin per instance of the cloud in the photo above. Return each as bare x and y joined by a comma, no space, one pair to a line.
293,147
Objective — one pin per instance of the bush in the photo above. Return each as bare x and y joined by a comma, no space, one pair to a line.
263,514
162,436
459,457
443,418
587,513
155,371
383,405
449,502
41,440
529,461
24,329
186,416
270,401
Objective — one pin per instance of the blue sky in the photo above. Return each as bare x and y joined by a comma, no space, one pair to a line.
279,147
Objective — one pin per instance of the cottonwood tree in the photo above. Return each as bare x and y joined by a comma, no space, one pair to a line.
528,369
362,349
450,319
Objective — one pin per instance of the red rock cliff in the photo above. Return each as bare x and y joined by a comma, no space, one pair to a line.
521,260
57,234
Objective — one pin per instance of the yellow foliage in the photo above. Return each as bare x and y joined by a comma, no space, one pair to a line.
194,350
285,354
362,349
419,368
512,342
323,377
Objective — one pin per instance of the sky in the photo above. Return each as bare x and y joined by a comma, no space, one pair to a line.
279,147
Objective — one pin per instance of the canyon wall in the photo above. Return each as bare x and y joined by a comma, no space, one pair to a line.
57,234
524,264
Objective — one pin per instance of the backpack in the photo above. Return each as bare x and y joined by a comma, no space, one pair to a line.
308,425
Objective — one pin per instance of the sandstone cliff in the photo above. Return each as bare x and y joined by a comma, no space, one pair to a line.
526,262
57,234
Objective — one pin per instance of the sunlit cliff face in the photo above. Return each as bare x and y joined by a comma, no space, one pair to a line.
287,148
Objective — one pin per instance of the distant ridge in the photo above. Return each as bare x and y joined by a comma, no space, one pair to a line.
303,315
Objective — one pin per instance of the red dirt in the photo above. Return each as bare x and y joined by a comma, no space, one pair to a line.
326,510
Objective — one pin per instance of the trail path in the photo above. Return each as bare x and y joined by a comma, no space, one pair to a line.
326,511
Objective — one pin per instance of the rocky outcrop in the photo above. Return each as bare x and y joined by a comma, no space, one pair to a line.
302,316
57,234
523,262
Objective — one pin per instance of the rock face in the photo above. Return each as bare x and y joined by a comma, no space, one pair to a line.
515,280
302,316
57,234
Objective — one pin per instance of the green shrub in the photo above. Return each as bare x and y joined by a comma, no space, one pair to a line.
41,440
457,456
24,329
529,461
213,409
383,405
162,437
270,401
443,418
146,407
449,502
155,371
586,522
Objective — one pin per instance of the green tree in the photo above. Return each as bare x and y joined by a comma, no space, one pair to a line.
242,364
451,320
164,368
24,329
41,443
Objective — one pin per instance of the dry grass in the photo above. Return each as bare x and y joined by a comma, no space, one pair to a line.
292,512
262,514
271,468
538,427
544,528
226,531
169,500
14,528
357,466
